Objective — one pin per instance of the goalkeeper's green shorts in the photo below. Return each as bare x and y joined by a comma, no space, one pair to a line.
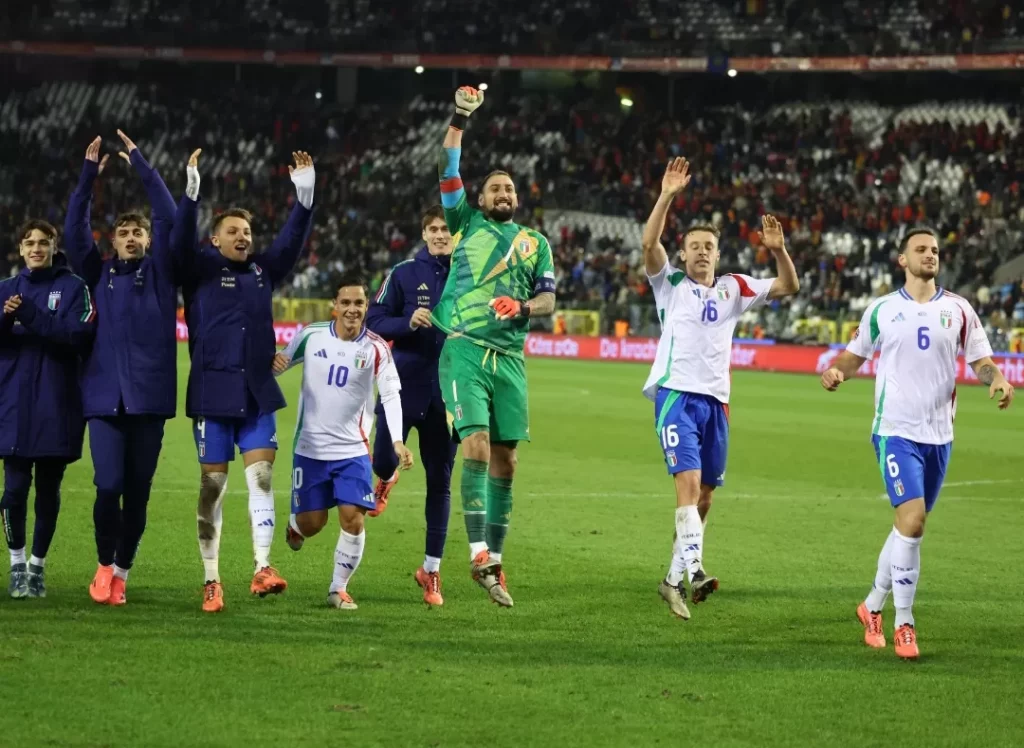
484,390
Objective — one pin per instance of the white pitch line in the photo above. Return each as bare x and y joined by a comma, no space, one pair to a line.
982,482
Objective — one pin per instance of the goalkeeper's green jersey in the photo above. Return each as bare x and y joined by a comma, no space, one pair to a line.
491,260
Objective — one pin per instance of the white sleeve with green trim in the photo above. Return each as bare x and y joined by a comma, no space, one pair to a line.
868,335
295,351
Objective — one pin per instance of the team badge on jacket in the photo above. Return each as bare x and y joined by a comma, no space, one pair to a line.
946,319
362,362
54,301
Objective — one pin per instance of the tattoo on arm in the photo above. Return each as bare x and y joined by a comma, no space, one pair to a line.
542,305
987,374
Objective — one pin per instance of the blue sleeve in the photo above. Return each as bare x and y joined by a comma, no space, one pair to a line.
280,259
82,253
385,316
160,200
183,242
163,210
74,324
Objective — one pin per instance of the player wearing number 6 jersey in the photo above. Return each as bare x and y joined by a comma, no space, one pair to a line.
689,382
342,361
919,329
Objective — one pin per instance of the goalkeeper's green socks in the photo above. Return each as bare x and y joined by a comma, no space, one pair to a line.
474,504
499,511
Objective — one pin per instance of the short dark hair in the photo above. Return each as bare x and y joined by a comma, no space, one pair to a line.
496,173
36,223
431,214
917,232
231,213
708,227
350,279
133,216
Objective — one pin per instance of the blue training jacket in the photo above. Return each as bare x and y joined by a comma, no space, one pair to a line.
229,310
413,284
132,367
41,348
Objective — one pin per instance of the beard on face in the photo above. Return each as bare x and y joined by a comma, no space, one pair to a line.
501,213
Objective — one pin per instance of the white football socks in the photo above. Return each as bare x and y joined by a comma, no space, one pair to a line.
875,600
121,573
689,538
677,567
258,477
347,555
18,556
475,548
905,563
34,560
431,564
209,519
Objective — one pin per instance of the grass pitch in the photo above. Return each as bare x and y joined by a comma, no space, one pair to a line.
590,655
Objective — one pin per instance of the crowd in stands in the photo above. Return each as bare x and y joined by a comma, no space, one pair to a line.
625,28
845,179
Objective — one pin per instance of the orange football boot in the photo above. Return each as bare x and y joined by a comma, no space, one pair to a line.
117,596
906,642
872,623
430,581
381,493
213,597
267,581
99,590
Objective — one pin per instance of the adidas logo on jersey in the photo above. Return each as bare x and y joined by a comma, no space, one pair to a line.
899,318
423,287
322,353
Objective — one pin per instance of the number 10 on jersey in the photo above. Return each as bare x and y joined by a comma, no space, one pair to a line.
338,375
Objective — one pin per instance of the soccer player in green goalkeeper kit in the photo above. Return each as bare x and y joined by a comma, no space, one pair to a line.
501,275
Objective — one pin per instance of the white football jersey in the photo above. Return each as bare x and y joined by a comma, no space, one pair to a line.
697,325
915,382
336,403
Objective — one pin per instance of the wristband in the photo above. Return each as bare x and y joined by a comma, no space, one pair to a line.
459,120
524,309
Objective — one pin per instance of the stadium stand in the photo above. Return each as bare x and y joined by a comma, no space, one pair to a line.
637,27
847,179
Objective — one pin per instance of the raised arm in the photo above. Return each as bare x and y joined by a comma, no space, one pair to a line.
284,252
183,242
787,283
387,316
457,210
160,200
83,255
74,324
677,176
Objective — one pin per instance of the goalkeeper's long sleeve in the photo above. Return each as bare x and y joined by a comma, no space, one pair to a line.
452,190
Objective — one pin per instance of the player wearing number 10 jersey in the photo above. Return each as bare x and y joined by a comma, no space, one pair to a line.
919,329
689,382
341,362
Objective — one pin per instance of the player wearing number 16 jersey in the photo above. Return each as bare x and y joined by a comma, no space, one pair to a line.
342,361
689,382
919,329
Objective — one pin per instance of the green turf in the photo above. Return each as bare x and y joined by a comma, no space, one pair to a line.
590,655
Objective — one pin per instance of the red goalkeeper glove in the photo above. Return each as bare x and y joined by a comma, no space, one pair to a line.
505,307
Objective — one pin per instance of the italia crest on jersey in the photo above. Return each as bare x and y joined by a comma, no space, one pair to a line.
525,245
670,457
723,292
946,319
362,362
54,301
898,486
